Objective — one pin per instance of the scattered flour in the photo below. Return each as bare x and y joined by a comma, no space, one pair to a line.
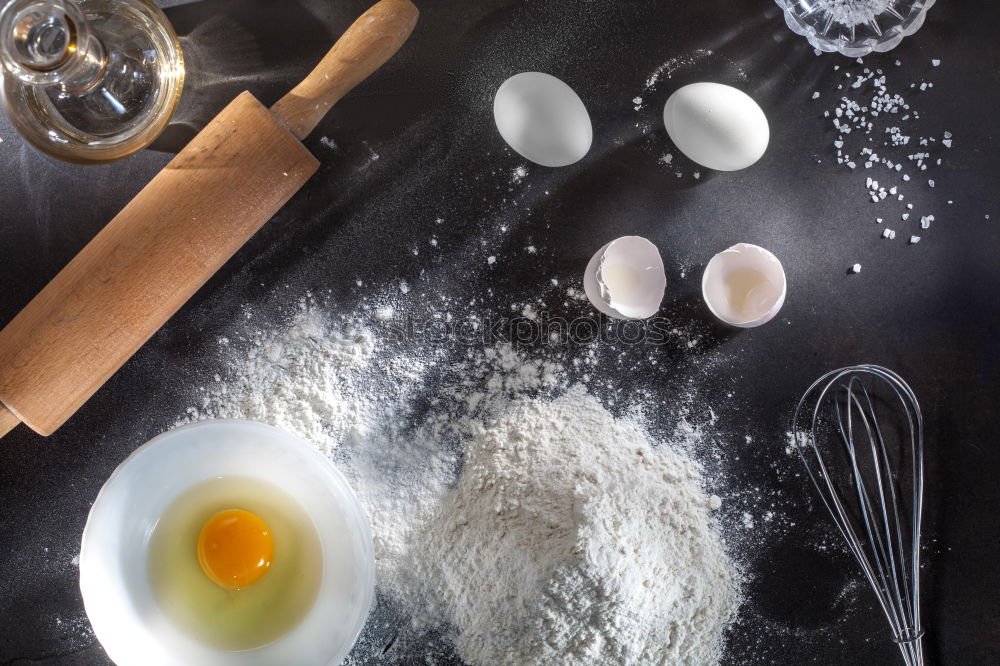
667,69
299,379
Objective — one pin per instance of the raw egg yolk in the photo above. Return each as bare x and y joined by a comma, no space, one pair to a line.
235,548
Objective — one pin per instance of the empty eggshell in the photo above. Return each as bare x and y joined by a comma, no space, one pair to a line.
625,279
717,126
744,285
542,119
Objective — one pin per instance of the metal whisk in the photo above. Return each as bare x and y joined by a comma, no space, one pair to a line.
863,447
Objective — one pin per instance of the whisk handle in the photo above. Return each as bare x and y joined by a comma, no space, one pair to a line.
912,650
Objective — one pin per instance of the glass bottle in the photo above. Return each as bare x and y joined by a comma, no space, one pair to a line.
88,80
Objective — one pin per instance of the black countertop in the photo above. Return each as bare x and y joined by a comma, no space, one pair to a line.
930,311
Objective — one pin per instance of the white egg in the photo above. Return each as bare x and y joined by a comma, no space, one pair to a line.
625,279
744,286
542,119
717,126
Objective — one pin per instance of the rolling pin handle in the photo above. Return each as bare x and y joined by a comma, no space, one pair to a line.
363,48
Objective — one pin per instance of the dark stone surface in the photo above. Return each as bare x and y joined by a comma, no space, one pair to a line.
930,311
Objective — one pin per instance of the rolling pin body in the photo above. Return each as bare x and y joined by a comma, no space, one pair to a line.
148,261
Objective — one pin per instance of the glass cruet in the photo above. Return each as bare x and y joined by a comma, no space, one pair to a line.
88,80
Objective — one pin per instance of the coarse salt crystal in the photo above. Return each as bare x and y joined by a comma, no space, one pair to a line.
856,268
914,240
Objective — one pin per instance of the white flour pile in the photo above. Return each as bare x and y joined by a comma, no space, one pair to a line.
570,539
528,529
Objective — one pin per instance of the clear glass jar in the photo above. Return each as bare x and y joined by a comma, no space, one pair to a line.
89,80
855,28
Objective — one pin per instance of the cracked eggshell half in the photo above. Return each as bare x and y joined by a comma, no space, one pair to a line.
542,119
717,126
744,285
625,279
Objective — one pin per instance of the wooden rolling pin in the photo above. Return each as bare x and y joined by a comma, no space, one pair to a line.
177,232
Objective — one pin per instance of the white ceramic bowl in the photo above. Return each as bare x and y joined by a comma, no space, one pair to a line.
113,557
744,285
